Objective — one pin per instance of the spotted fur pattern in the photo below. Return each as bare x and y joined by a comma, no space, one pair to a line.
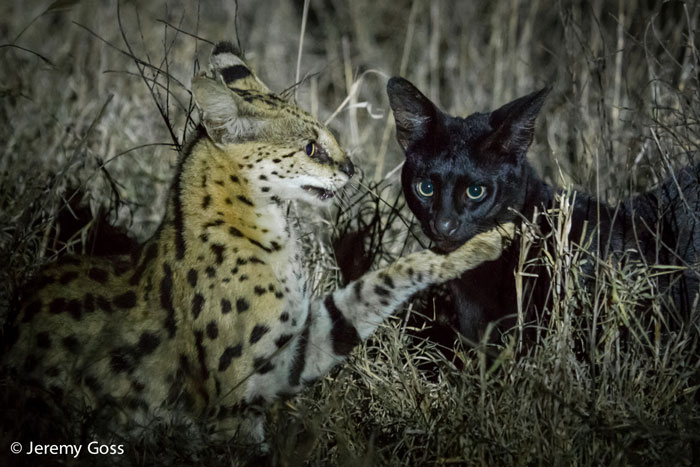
211,317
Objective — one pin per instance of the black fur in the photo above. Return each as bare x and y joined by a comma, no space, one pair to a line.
489,150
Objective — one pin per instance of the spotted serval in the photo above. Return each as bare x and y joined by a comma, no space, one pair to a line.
211,317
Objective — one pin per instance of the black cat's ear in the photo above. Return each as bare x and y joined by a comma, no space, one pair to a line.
415,114
514,124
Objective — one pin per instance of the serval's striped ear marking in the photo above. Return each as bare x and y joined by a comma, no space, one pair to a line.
227,64
235,105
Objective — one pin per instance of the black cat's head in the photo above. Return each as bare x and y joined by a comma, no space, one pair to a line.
462,175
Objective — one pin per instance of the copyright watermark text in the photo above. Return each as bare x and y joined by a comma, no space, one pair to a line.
74,450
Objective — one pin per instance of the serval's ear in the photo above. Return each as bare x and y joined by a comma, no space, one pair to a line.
227,63
235,105
225,116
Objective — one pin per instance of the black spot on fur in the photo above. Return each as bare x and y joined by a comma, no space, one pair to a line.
43,341
98,275
57,305
242,305
284,317
74,308
265,189
258,331
225,47
89,303
121,360
300,358
225,306
218,249
282,340
255,260
103,304
192,277
151,254
92,384
215,223
381,291
344,334
388,281
197,305
234,72
32,309
229,354
206,201
211,272
148,343
357,288
166,300
235,179
262,365
126,300
259,245
235,232
259,290
138,386
185,365
71,344
245,200
213,329
201,354
120,265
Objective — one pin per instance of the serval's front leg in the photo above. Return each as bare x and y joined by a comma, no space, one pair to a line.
341,320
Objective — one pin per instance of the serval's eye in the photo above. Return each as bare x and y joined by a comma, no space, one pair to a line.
476,192
425,188
311,149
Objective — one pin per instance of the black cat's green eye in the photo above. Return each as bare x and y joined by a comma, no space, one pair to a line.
311,149
476,192
425,188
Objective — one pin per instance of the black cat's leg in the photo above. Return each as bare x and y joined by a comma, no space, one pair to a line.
469,314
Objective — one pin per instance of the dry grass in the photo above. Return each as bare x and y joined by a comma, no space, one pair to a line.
79,112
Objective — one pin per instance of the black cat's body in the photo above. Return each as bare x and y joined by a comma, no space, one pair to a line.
463,176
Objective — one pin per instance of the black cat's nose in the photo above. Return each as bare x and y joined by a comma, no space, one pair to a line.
347,168
445,227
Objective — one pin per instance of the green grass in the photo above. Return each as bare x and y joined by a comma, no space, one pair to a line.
625,110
